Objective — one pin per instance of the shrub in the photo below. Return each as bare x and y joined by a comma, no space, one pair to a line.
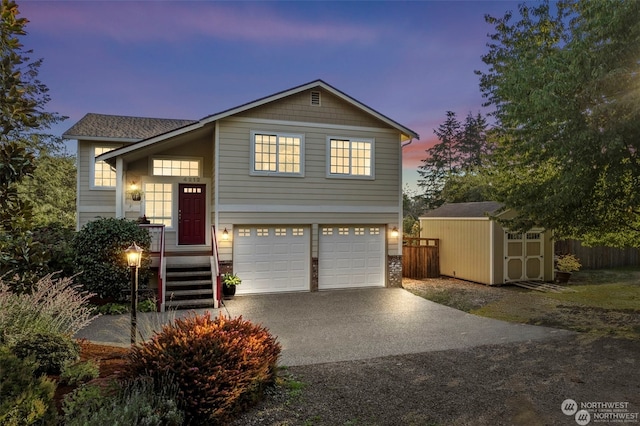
99,254
57,239
79,372
55,306
147,305
50,351
137,403
219,365
24,398
112,309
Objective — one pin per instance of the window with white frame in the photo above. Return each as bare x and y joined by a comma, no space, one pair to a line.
276,154
350,157
158,201
103,176
177,167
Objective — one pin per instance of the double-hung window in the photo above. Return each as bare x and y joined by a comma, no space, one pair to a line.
350,157
102,175
277,154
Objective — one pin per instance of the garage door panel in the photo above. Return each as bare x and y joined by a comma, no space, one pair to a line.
272,259
351,257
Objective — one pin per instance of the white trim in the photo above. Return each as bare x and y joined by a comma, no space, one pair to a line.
147,142
119,187
454,218
317,83
408,133
216,175
278,135
492,253
292,208
310,124
78,174
351,140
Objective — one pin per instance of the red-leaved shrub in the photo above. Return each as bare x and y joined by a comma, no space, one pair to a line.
220,365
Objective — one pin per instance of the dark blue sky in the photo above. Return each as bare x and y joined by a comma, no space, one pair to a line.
412,61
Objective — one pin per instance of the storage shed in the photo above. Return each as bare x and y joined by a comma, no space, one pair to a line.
475,247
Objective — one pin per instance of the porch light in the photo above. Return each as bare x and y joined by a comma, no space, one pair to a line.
134,255
394,232
135,191
225,234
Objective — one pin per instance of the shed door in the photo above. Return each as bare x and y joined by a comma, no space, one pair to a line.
351,256
271,259
524,256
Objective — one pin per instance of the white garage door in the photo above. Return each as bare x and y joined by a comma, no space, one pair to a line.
272,259
351,256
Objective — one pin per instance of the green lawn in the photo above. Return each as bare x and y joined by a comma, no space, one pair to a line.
605,302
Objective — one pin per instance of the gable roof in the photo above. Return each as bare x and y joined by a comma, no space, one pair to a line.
405,131
462,210
121,128
312,85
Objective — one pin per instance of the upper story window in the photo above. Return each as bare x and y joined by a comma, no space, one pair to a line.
277,154
102,175
177,167
349,157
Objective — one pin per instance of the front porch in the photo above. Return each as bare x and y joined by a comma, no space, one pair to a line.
184,279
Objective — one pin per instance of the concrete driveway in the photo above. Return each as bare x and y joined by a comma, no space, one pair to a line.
344,325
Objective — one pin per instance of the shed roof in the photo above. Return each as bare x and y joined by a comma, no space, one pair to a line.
476,209
120,127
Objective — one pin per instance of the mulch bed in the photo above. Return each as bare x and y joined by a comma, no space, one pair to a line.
110,359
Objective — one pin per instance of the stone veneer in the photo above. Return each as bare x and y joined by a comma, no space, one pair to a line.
394,267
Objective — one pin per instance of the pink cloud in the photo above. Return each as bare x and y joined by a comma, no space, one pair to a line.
150,21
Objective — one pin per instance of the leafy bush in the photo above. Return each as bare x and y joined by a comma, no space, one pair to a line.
99,254
55,306
50,351
25,399
147,305
230,361
137,403
57,240
83,401
79,372
112,309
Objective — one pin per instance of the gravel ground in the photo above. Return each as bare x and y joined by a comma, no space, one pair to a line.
510,384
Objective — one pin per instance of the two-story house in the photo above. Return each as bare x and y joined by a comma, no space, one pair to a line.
297,191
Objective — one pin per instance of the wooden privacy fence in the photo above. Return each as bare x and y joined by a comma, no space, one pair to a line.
420,258
599,257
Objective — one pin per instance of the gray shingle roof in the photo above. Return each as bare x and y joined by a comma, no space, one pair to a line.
122,127
477,209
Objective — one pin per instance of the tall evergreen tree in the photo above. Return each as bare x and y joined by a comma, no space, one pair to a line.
459,154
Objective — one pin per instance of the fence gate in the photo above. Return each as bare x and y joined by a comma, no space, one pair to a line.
420,258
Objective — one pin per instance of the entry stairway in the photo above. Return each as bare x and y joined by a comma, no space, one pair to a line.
189,285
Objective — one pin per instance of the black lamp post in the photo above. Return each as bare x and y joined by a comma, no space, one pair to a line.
134,255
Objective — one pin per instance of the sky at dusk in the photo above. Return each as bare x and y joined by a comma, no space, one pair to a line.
411,61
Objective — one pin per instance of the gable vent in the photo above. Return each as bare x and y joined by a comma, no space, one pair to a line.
315,98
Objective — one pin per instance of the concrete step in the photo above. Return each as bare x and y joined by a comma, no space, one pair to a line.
179,304
187,273
193,292
190,283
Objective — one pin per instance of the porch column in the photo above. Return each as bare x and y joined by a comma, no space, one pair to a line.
119,188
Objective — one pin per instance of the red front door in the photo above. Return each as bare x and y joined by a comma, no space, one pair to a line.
191,214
